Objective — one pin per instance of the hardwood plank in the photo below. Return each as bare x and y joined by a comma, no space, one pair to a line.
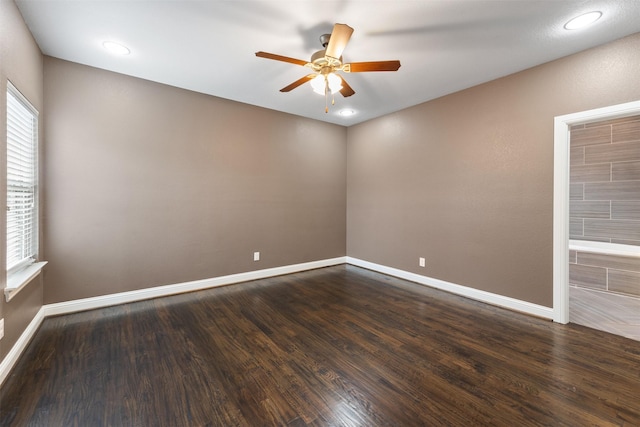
336,346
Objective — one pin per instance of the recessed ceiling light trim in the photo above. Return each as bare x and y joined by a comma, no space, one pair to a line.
116,48
347,112
583,20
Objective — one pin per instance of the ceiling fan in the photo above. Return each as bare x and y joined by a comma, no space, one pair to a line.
326,62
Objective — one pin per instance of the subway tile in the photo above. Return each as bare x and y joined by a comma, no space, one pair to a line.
626,242
590,173
590,136
625,171
589,209
628,131
621,152
587,276
609,261
576,191
573,257
627,282
575,228
619,190
596,239
613,121
613,229
625,209
576,156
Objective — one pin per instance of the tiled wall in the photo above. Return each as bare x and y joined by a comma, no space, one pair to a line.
605,181
605,203
610,273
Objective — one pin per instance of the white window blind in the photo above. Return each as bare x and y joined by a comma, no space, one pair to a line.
22,181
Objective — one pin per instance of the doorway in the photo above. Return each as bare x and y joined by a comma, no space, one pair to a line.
561,223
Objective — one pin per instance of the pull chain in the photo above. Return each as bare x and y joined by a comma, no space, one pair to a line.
326,96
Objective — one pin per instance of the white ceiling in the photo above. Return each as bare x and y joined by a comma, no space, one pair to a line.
208,46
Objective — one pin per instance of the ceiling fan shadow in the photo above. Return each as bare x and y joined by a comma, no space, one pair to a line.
311,35
468,34
425,29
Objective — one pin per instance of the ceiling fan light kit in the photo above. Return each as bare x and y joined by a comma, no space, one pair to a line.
323,83
327,62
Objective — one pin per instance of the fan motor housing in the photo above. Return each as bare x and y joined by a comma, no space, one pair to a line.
319,55
321,62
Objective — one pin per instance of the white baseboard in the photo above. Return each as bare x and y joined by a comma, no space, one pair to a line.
125,297
162,291
14,354
476,294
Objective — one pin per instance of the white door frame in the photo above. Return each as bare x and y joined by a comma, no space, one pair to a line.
561,197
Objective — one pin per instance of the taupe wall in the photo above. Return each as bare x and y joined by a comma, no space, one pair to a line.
21,63
466,181
150,185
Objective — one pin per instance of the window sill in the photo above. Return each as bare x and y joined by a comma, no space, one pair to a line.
18,280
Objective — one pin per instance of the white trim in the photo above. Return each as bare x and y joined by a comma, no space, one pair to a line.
124,297
162,291
561,197
476,294
14,354
604,248
21,278
560,221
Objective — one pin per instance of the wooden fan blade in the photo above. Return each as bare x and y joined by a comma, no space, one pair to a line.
298,83
281,58
360,67
346,89
338,41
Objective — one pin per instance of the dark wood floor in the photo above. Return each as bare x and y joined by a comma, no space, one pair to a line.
339,346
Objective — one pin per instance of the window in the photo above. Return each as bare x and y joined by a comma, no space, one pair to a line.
22,188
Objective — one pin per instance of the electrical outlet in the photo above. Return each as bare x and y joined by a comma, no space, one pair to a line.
422,262
256,256
1,328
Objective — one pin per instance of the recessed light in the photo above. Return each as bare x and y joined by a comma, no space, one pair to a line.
346,112
583,20
116,48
